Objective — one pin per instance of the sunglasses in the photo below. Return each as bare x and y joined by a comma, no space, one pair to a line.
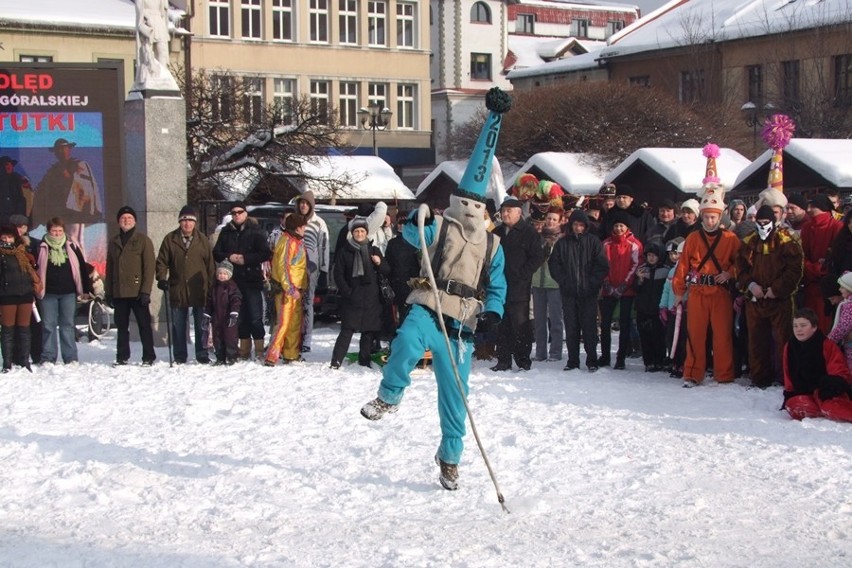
236,212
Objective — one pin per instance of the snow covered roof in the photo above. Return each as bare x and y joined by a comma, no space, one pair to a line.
578,174
576,63
828,158
454,169
99,13
592,6
684,168
691,22
367,178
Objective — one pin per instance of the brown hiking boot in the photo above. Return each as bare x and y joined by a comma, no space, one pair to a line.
376,408
449,477
244,349
259,350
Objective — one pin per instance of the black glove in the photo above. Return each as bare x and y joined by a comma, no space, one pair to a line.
108,301
232,319
832,386
487,321
144,299
163,285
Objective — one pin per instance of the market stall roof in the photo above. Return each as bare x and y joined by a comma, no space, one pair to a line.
435,189
673,173
578,174
808,163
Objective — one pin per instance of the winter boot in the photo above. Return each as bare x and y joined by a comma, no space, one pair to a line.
244,349
449,477
376,408
259,350
7,343
22,347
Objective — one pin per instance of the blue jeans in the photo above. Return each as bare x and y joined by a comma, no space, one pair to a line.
180,317
58,310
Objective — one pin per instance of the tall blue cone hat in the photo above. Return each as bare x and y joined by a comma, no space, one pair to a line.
474,182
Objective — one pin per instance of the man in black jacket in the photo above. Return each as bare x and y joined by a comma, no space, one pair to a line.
244,244
524,253
579,265
639,220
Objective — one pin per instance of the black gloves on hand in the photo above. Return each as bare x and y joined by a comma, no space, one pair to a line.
163,285
232,319
832,386
487,321
144,300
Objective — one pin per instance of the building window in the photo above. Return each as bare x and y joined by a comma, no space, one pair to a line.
222,101
376,20
347,11
525,24
284,97
282,20
613,27
378,95
406,96
318,16
843,80
692,86
251,18
319,100
480,66
348,104
790,81
39,59
220,18
580,28
405,24
754,82
480,14
640,81
253,100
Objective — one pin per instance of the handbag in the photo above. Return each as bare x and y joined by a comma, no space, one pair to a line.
387,294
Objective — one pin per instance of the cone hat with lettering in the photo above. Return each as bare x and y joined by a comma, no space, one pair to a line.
474,182
777,133
712,192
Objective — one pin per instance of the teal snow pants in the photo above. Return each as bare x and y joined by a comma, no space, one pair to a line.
418,333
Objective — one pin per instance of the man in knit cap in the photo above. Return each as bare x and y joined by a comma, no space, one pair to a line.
707,266
797,212
769,269
467,262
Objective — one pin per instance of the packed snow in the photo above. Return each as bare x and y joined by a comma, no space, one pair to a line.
197,466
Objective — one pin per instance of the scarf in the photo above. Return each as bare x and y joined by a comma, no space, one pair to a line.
550,236
362,259
56,252
806,363
19,252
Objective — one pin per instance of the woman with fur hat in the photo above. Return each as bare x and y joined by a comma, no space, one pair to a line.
18,284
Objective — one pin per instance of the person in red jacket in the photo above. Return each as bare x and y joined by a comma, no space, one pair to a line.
623,251
817,382
817,236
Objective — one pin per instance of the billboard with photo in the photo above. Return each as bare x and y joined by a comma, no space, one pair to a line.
61,148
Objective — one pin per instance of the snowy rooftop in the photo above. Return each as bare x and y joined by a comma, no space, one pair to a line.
99,13
827,157
576,63
685,22
368,177
531,51
454,169
592,6
578,174
684,167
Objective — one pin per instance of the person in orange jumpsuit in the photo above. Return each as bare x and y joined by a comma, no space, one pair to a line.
290,270
707,266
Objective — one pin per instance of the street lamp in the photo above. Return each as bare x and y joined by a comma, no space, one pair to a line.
375,118
752,119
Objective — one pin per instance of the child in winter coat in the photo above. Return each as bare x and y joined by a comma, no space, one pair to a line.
817,382
221,312
650,280
667,311
841,332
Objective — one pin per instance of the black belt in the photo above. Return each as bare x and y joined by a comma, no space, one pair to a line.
707,280
456,288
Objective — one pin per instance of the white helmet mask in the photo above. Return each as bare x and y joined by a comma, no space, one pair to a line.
764,229
469,213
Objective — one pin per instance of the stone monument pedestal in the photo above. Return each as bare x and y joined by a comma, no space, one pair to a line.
155,144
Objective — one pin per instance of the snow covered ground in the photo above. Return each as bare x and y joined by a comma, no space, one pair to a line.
252,466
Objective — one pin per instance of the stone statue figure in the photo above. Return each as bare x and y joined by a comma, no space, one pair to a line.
152,45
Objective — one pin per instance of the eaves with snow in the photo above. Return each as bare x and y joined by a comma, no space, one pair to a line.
452,171
808,163
82,14
578,174
531,51
694,22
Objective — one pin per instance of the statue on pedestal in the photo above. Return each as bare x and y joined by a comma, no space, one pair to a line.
152,45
